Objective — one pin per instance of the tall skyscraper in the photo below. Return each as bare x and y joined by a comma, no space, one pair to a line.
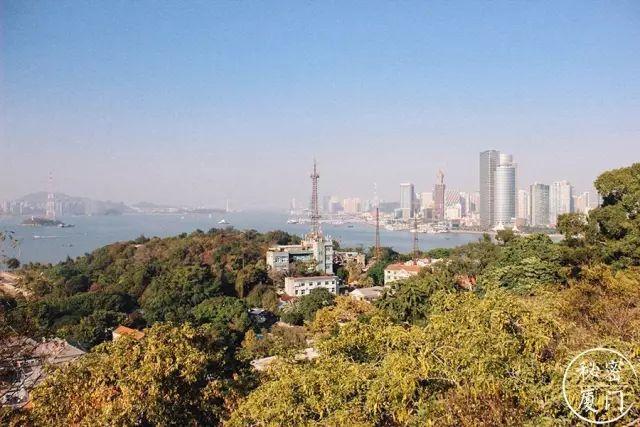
560,200
488,163
505,191
438,197
407,200
523,206
539,205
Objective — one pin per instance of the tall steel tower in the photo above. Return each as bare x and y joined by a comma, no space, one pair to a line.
51,201
315,213
377,253
416,249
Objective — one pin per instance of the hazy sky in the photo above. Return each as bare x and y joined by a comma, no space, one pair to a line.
193,102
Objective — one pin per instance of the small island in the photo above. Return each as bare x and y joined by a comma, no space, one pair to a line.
45,222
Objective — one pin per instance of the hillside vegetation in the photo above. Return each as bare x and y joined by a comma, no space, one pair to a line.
432,351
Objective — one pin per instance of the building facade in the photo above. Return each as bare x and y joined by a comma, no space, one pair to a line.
407,200
301,286
505,192
523,206
539,205
560,200
318,250
438,197
395,272
488,163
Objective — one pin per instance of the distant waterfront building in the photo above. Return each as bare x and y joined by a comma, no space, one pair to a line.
505,192
582,203
523,206
438,196
301,286
398,271
426,200
407,200
352,205
452,212
539,205
488,163
560,200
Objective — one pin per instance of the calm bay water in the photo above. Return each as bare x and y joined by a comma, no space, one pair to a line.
52,244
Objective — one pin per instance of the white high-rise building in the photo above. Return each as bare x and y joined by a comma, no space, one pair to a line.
426,200
488,163
560,200
505,192
523,206
539,205
407,200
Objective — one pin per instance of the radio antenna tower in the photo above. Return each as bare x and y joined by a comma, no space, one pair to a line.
377,253
416,250
51,201
315,213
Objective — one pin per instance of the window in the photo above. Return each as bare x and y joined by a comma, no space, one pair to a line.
296,292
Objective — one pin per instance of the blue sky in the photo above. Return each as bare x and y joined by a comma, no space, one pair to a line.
196,102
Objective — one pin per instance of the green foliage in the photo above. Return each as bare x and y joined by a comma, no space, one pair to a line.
615,226
309,304
224,313
505,236
292,317
172,295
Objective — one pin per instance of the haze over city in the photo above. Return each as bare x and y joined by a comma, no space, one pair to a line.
202,102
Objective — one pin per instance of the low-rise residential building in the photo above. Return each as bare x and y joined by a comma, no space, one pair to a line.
367,294
24,363
318,249
399,271
301,285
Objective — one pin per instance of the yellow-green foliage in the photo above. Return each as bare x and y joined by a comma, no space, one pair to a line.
496,359
175,375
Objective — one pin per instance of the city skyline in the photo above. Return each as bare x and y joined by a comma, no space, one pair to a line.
152,102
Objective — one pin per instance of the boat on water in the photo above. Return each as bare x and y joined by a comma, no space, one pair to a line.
66,225
292,221
223,222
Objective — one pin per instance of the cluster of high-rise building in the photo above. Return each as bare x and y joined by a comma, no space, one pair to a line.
502,205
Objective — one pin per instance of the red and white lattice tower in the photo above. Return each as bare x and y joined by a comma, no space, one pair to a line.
51,201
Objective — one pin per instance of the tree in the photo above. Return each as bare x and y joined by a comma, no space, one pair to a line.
13,263
504,236
173,376
309,304
225,313
615,225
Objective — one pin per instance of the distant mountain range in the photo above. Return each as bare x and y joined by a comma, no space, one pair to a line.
70,205
36,204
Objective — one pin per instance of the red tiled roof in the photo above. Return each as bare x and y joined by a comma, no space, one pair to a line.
133,333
